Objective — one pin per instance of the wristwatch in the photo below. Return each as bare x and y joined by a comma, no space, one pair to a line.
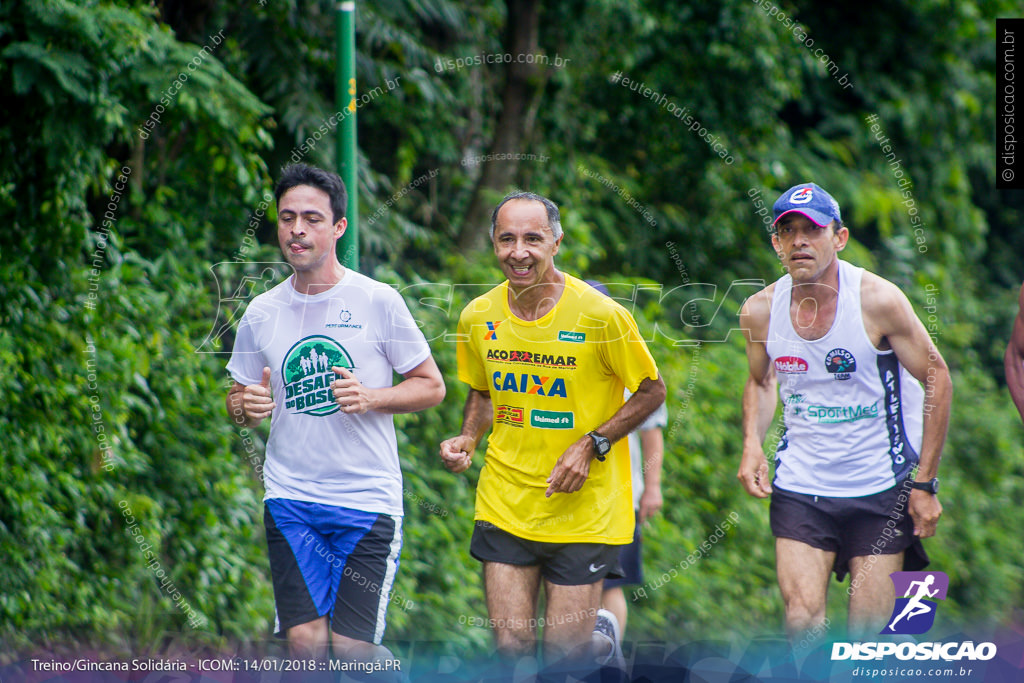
601,444
931,486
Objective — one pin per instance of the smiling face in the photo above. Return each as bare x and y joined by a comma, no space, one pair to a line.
525,245
305,230
807,249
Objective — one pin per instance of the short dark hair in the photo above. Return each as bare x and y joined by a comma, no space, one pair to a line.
554,218
294,175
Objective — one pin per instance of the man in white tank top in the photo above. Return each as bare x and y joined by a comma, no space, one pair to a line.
861,439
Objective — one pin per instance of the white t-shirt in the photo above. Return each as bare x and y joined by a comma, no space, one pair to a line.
316,452
656,420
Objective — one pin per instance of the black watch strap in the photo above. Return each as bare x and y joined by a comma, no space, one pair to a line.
931,486
601,445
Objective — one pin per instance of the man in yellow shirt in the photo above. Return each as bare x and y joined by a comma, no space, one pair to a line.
546,357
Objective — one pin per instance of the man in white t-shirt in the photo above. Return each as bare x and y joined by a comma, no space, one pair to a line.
317,355
862,438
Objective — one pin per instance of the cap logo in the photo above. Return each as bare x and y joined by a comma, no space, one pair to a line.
802,196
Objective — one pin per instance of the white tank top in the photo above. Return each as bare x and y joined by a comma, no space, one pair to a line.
852,413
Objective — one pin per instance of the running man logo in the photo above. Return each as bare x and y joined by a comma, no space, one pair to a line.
307,375
917,594
492,330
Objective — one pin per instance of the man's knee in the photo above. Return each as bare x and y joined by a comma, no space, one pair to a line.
309,639
351,649
515,643
803,613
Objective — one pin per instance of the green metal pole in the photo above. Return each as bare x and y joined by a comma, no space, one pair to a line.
345,87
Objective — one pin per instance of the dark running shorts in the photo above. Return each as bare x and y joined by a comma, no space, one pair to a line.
878,524
333,561
565,564
631,559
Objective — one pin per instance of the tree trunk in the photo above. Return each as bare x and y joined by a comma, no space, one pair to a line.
523,88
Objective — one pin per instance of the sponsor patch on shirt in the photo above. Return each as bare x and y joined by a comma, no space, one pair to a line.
840,363
574,337
307,375
834,414
790,364
509,415
551,419
532,358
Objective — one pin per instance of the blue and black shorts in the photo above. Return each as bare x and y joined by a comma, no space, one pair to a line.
332,561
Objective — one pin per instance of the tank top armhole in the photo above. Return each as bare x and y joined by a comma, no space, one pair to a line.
850,269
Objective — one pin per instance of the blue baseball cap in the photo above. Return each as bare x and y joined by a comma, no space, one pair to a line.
808,199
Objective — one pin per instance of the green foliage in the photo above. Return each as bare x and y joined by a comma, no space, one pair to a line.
113,409
114,291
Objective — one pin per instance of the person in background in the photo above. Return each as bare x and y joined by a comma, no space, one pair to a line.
646,451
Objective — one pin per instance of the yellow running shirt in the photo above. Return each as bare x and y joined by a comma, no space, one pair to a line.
551,381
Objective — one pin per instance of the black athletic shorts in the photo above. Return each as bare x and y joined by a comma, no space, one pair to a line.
631,559
565,564
878,524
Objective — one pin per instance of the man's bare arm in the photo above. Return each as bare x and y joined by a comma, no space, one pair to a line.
248,405
637,408
573,467
421,388
888,312
652,448
1013,361
477,415
760,396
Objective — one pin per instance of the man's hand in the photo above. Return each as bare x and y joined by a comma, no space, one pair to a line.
350,394
925,510
256,399
753,472
650,502
457,453
572,468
